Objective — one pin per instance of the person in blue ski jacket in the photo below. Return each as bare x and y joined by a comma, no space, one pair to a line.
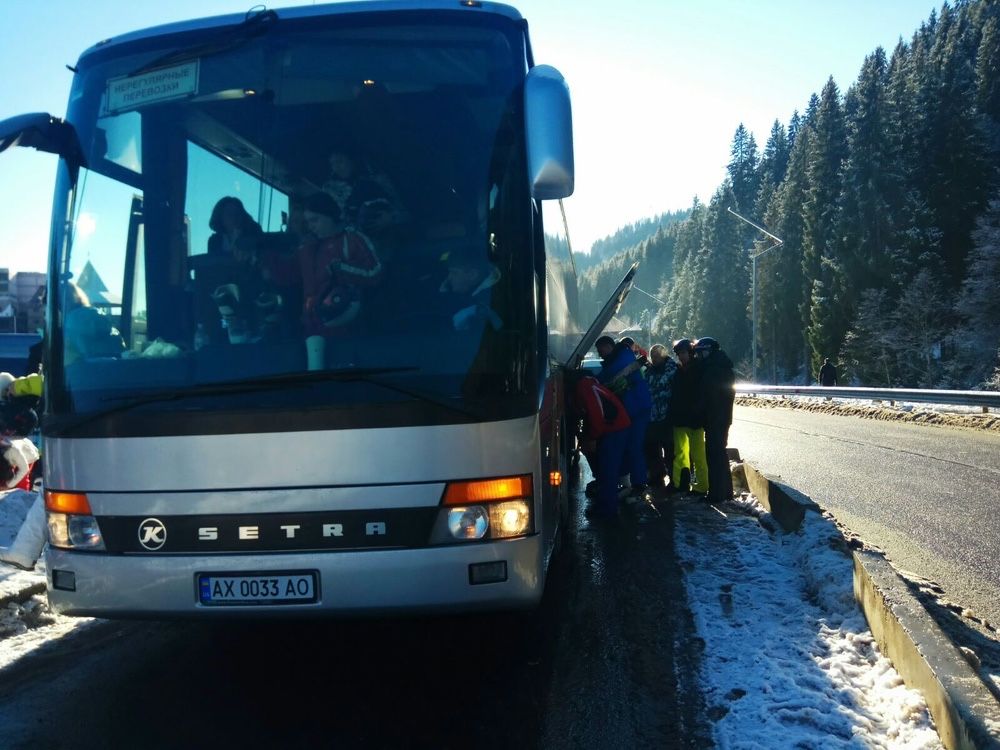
622,373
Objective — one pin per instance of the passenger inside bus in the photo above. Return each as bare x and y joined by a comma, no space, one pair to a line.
233,230
467,291
234,250
367,199
88,333
334,268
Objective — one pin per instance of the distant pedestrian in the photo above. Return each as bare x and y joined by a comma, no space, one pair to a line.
688,420
717,394
828,373
659,445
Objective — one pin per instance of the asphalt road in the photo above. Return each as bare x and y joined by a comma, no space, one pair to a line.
928,496
607,662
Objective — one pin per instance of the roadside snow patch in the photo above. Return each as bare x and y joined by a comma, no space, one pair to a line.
788,659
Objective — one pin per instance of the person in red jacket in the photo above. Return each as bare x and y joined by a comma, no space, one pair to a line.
605,435
334,267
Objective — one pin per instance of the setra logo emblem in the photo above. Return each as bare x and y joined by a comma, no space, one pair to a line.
152,534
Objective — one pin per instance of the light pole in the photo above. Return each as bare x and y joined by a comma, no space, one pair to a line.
648,326
778,242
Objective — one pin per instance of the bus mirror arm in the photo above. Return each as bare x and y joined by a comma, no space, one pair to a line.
44,132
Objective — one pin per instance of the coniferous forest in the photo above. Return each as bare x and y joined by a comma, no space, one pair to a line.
887,199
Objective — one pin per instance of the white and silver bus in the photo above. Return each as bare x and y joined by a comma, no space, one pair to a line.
233,423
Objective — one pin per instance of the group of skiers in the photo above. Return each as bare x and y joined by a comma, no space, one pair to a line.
653,426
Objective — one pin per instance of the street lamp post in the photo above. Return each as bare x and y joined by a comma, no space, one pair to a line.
778,242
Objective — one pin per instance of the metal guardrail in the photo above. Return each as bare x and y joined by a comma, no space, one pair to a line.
984,399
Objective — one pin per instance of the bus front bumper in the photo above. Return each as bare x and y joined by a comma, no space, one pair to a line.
347,583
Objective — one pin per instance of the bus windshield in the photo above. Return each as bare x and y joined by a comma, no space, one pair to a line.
324,195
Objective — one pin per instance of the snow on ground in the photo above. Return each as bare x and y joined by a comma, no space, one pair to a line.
25,622
788,658
29,626
14,505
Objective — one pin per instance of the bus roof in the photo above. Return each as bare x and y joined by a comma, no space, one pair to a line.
331,9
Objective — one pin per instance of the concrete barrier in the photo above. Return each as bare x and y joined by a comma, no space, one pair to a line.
966,713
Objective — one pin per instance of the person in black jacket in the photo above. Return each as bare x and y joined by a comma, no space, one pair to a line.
827,374
717,395
690,468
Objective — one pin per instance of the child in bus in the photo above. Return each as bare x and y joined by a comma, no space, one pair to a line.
333,266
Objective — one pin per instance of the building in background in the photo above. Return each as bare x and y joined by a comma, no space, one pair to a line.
22,309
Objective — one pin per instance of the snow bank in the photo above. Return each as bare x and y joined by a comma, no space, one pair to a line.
942,415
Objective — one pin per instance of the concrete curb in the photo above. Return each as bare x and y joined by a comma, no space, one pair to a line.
787,505
965,712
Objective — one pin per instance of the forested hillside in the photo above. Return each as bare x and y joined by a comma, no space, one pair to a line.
626,238
886,197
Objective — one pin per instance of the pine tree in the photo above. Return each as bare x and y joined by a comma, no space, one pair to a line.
721,272
676,318
826,310
780,284
794,126
863,222
988,70
920,321
978,305
743,169
868,357
772,167
958,176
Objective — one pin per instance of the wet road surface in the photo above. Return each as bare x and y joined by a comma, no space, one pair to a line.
608,661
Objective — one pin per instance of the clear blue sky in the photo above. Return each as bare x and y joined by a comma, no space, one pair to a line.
659,87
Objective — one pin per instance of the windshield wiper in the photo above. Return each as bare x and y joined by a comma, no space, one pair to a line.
232,37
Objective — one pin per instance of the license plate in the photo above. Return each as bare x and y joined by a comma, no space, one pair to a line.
279,588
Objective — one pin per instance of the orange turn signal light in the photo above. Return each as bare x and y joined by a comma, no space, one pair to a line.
487,490
67,502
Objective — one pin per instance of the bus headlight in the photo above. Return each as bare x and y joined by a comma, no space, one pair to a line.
511,518
468,523
74,532
485,509
70,521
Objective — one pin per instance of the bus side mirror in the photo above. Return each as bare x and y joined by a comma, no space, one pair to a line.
548,120
44,132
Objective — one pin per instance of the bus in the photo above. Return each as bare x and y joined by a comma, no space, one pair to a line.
305,339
